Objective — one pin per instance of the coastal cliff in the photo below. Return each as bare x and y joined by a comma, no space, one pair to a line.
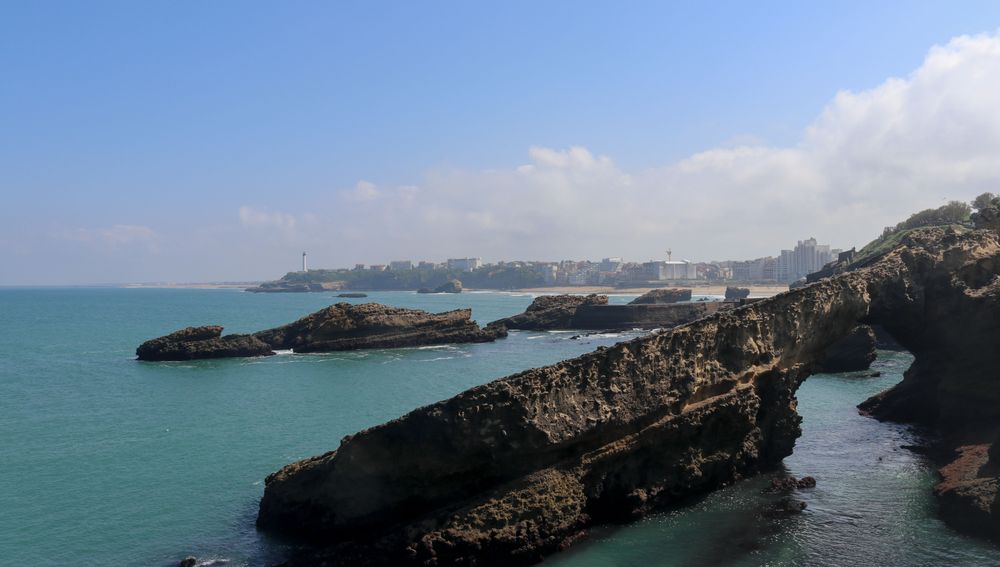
510,471
342,326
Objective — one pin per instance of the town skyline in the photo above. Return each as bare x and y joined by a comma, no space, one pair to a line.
787,266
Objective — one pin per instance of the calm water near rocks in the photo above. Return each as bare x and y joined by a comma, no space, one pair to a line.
108,461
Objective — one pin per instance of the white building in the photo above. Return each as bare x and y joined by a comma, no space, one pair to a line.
400,265
464,264
806,258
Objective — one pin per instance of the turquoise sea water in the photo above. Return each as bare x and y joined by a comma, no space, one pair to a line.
108,461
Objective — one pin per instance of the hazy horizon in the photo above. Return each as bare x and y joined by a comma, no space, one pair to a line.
192,142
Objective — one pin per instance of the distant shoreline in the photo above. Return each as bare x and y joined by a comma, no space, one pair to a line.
224,285
756,290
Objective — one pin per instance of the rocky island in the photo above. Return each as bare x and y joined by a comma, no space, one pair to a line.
518,468
592,312
662,296
342,326
451,286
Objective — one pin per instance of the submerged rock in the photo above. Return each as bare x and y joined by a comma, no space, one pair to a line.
509,471
201,342
659,296
352,295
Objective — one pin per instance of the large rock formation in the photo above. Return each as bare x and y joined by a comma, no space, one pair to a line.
450,286
507,472
734,293
592,312
659,296
201,342
854,352
286,286
342,326
550,312
649,316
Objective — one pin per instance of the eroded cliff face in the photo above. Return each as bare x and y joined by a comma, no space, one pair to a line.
507,472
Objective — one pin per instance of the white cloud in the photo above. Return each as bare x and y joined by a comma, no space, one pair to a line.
256,218
869,159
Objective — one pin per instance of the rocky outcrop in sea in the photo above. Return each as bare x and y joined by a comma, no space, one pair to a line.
451,286
201,342
550,312
342,326
510,471
736,293
592,312
662,296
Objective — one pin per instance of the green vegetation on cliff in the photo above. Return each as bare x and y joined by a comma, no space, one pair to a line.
487,277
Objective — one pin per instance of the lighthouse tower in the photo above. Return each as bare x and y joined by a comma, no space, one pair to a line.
305,268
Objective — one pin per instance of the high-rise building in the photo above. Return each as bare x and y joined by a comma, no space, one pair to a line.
807,257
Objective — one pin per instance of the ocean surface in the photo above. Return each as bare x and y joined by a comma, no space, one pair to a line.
108,461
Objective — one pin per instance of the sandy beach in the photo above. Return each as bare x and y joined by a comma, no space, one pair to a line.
756,290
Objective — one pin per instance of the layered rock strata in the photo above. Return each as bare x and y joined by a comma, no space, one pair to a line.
341,326
201,342
660,296
592,312
344,326
510,471
550,312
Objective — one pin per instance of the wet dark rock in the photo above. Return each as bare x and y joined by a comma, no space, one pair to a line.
662,296
188,562
733,293
854,352
791,483
201,342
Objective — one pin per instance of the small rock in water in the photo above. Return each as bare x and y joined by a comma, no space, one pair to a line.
791,483
188,562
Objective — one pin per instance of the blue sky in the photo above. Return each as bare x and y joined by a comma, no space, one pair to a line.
184,141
